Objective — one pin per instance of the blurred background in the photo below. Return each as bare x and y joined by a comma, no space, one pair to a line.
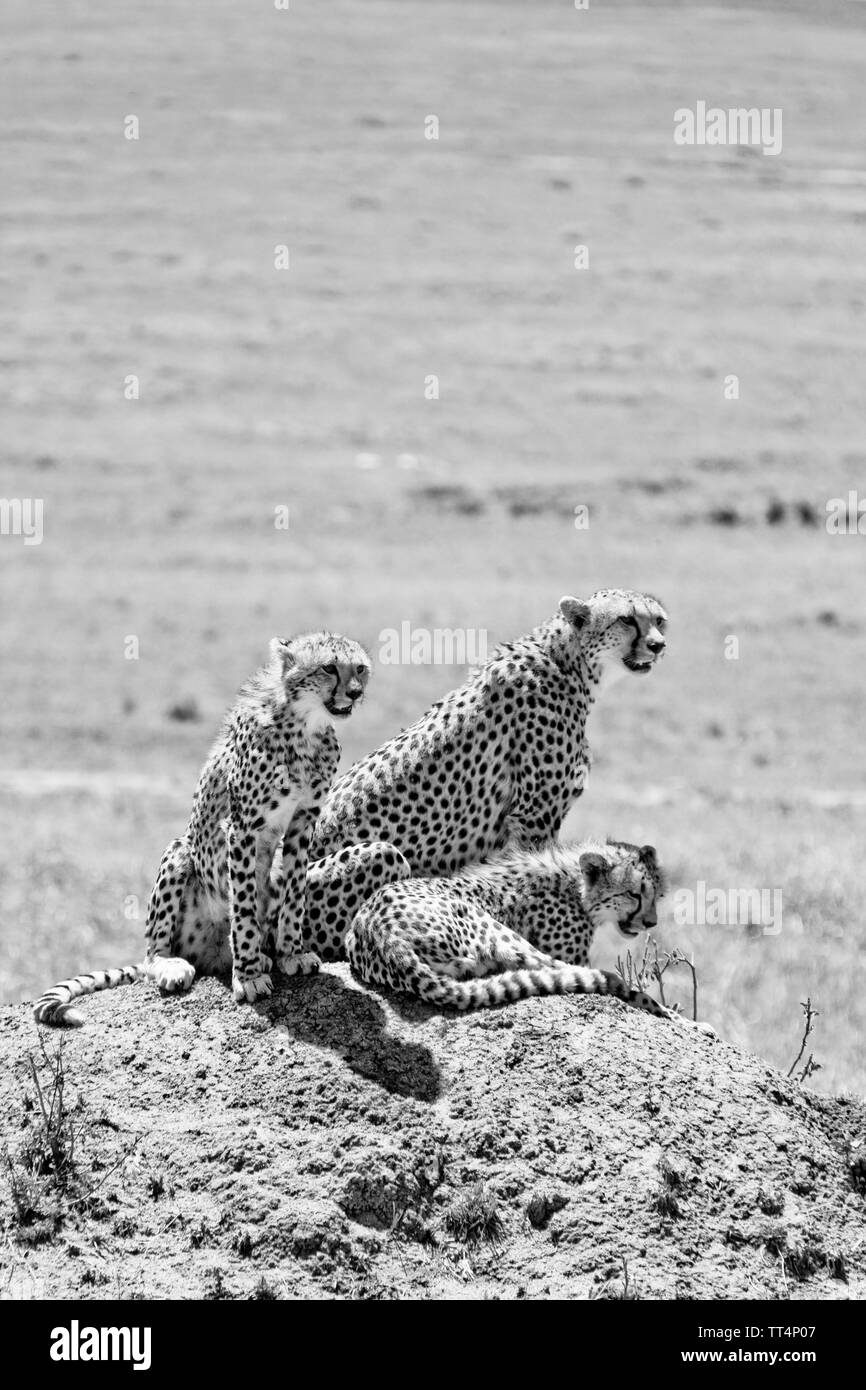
304,388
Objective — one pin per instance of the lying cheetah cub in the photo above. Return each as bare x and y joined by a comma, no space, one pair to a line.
519,925
232,887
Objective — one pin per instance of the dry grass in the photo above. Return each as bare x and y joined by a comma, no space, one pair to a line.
558,388
39,1166
474,1217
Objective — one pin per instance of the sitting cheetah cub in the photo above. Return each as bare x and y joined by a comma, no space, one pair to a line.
232,887
518,925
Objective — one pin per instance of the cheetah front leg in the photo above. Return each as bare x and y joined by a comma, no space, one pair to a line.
165,918
250,978
289,888
674,1016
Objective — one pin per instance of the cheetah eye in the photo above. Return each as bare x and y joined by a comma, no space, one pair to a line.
330,670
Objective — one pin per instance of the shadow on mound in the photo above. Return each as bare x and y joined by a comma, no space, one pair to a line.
324,1011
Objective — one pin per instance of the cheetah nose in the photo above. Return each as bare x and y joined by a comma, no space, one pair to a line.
354,692
656,646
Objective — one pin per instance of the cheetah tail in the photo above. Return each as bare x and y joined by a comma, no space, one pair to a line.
510,985
54,1007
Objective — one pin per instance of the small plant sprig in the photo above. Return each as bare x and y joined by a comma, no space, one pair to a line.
40,1170
641,973
810,1065
43,1170
50,1146
618,1290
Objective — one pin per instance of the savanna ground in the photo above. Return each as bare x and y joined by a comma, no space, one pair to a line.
335,1141
559,388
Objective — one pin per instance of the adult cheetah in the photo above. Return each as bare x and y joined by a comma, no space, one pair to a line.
498,761
519,925
230,891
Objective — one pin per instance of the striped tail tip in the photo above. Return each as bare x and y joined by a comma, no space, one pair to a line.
57,1013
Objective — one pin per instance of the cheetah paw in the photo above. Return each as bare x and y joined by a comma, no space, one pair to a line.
172,974
307,963
246,989
706,1028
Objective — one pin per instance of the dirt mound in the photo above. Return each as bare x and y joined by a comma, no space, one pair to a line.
334,1142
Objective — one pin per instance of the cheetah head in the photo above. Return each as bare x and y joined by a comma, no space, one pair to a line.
619,631
322,671
621,884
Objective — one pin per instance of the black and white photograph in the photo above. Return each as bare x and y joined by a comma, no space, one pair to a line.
433,649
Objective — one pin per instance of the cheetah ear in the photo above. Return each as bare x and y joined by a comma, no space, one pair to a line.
648,855
574,611
592,866
279,649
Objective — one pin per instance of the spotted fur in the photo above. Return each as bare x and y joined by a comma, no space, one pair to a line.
520,925
230,891
498,761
